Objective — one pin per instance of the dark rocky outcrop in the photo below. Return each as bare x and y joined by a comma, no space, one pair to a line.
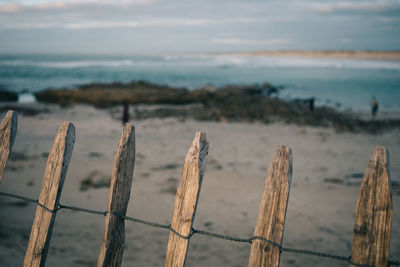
230,103
7,96
108,95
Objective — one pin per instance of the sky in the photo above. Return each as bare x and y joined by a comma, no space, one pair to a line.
186,26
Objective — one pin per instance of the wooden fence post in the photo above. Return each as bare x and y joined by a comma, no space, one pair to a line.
113,244
373,221
54,176
272,210
8,130
186,200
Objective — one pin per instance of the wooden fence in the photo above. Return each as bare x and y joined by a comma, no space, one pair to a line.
372,226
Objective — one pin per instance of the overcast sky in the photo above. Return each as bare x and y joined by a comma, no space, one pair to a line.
170,26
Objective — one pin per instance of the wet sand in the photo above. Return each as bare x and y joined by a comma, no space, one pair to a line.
327,166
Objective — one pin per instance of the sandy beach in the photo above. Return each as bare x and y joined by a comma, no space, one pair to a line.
327,167
344,54
320,77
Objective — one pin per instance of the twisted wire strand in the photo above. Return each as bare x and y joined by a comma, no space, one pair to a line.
35,201
196,231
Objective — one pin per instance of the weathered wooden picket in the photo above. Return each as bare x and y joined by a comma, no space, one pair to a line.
372,227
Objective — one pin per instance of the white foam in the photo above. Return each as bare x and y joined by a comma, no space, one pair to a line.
215,61
26,98
279,62
69,64
304,62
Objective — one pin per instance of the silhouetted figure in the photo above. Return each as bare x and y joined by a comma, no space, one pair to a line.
125,114
311,104
374,107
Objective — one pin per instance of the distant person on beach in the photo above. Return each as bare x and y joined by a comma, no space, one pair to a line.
374,107
311,104
125,113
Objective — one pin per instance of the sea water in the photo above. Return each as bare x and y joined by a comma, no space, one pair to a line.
341,83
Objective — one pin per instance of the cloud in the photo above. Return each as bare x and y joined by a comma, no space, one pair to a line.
107,24
239,41
391,20
357,7
136,24
249,20
12,7
56,22
346,41
30,26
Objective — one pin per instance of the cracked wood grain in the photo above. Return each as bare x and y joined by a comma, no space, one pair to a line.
373,220
112,248
54,176
186,200
272,210
8,131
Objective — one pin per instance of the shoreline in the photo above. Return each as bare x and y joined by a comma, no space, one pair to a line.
248,103
233,103
36,107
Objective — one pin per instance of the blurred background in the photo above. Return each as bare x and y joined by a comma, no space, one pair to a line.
322,77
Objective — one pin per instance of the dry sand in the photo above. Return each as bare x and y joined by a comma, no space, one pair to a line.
319,217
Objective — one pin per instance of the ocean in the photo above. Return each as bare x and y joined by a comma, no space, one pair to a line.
346,84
